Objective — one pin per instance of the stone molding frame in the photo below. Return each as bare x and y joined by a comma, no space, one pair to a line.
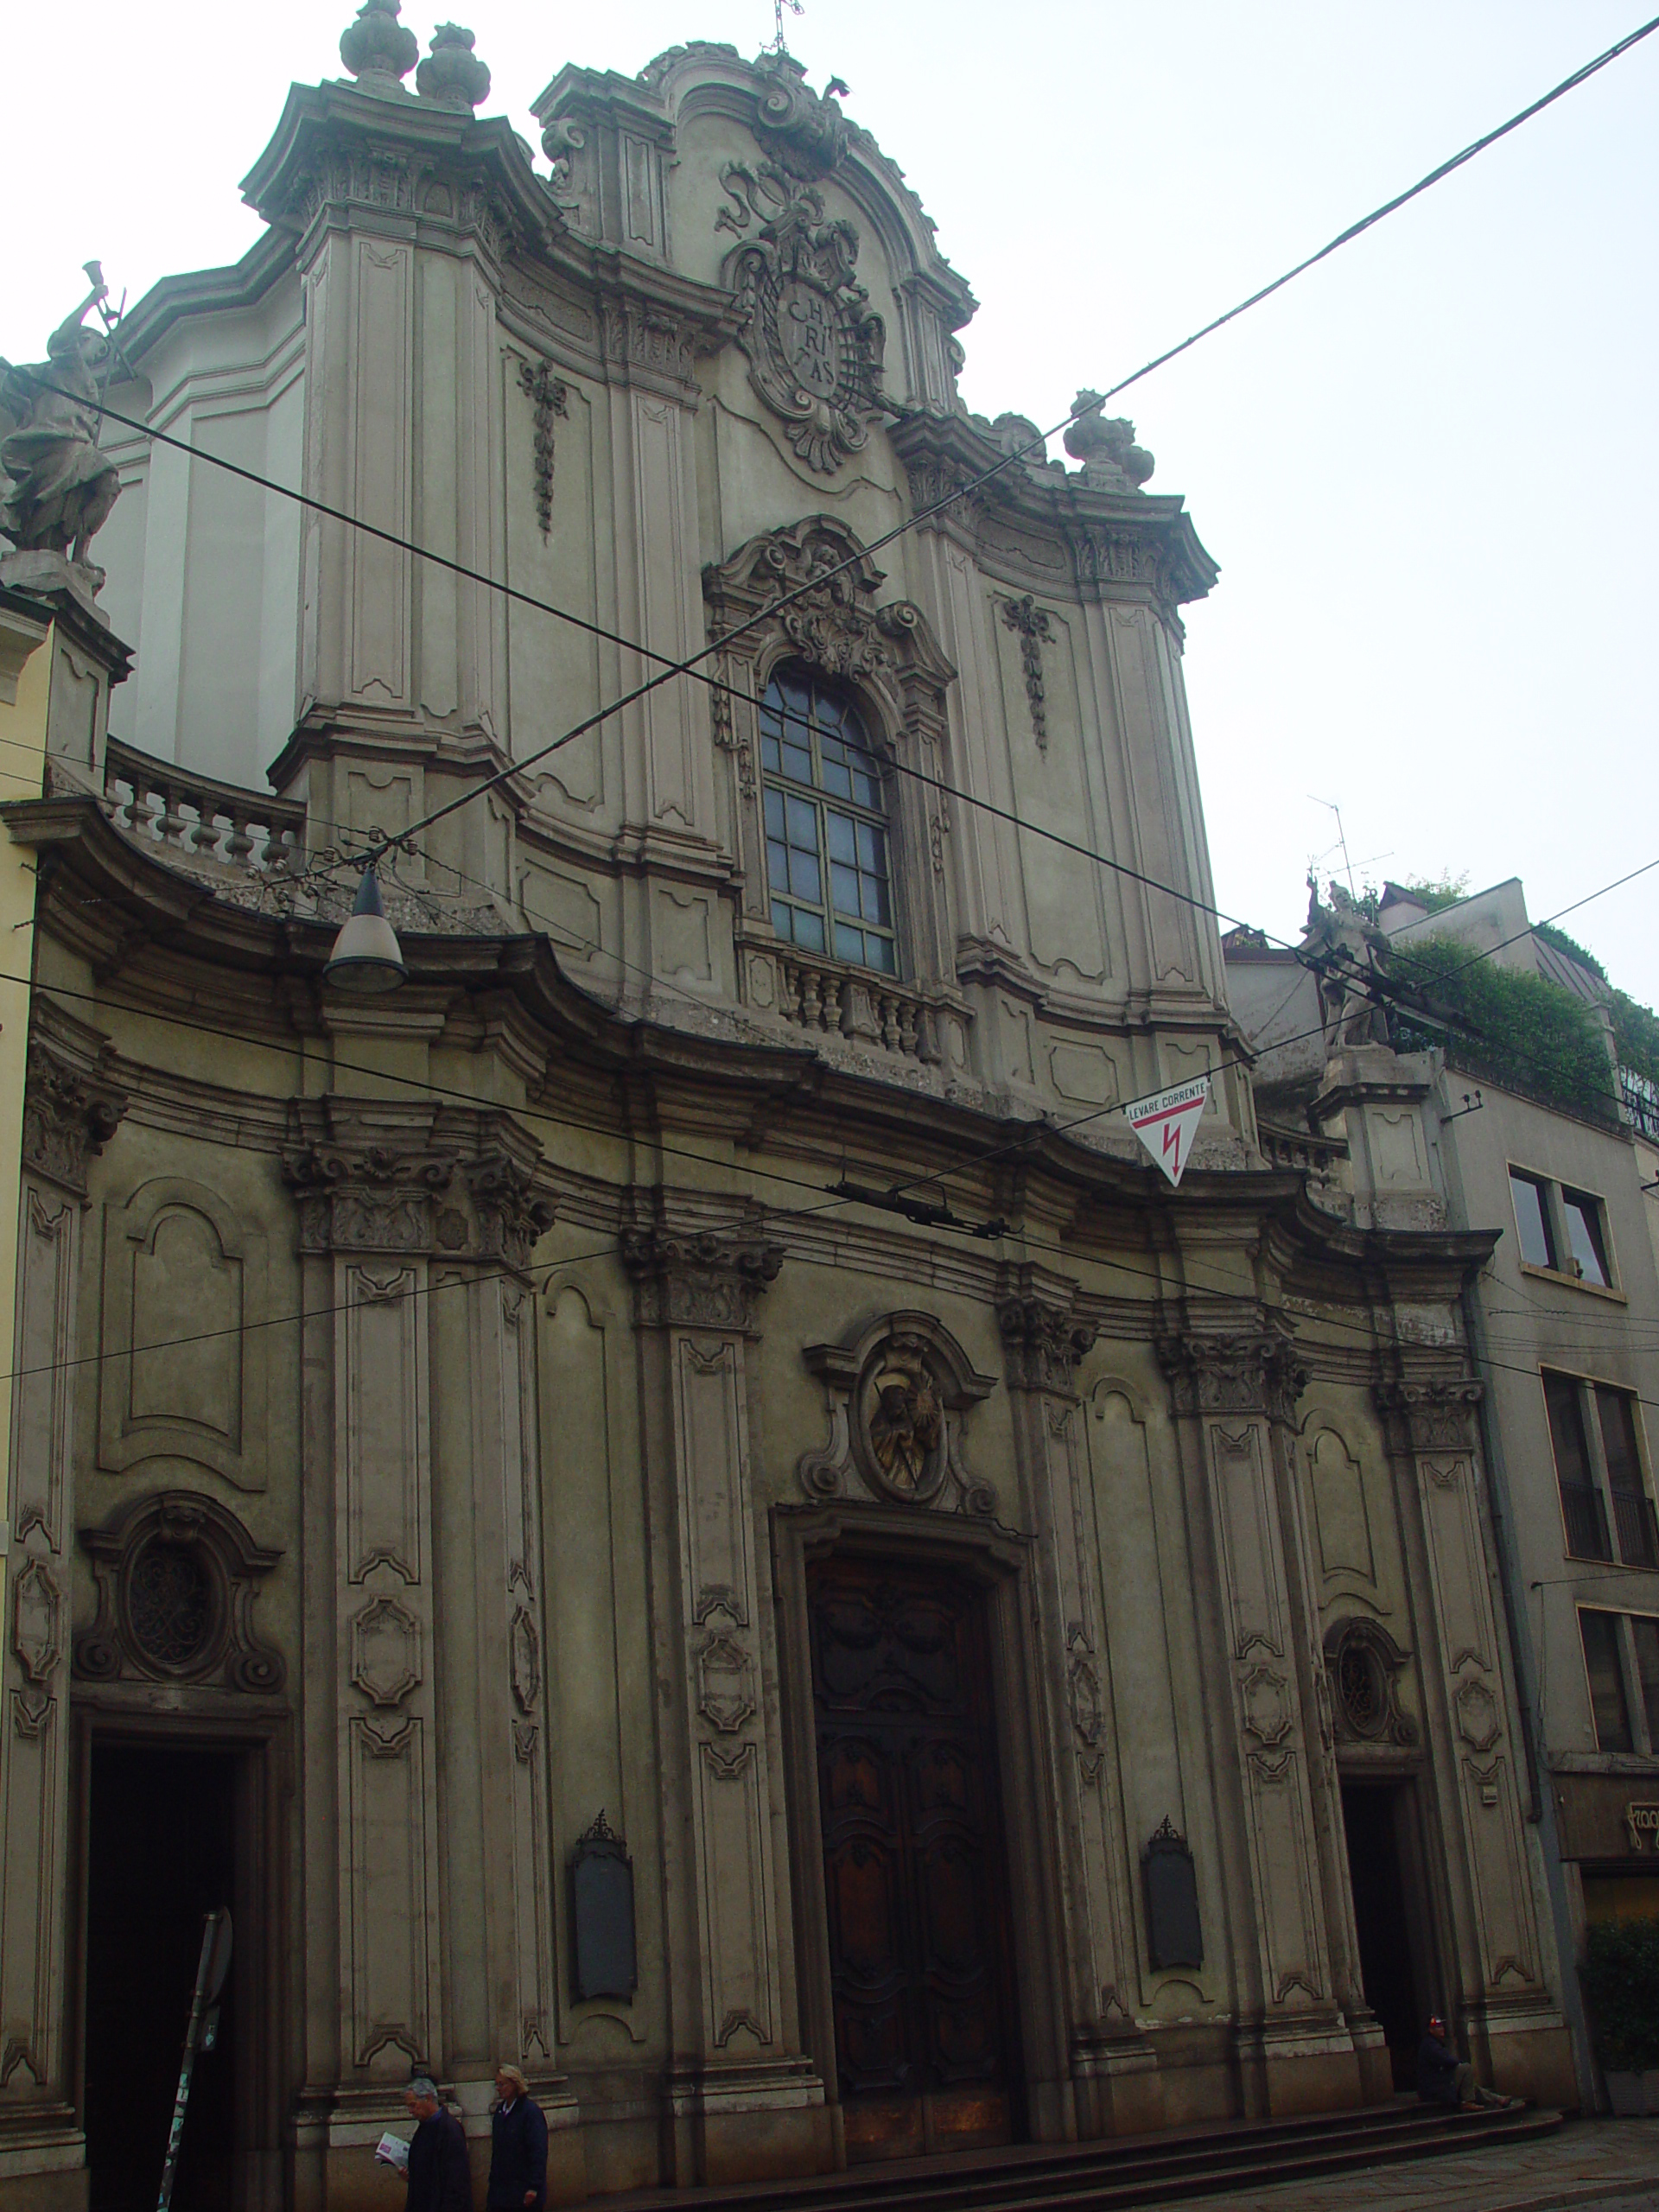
182,1535
1002,1562
864,1443
891,660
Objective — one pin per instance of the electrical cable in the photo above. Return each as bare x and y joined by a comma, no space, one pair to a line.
1114,1264
691,664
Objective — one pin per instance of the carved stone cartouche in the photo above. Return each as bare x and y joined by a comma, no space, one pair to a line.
177,1576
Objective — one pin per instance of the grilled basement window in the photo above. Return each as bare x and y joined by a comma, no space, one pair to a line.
827,859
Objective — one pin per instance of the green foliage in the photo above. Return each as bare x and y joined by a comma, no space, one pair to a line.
1636,1032
1621,1981
1439,891
1530,1035
1570,946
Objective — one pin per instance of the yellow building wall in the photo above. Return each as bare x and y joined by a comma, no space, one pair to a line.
26,664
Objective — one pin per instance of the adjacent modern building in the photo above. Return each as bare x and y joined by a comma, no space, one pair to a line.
1564,1317
677,1500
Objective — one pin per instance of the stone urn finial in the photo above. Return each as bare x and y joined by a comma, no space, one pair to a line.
377,50
1105,445
452,75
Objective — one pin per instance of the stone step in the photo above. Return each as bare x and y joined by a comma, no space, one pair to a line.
1119,2172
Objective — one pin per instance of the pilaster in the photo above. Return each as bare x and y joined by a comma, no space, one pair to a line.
1235,1396
69,1114
1113,2070
742,2098
426,1744
1502,1995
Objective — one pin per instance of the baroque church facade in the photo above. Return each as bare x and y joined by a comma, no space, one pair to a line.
675,1500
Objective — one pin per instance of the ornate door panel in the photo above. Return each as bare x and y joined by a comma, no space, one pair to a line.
914,1871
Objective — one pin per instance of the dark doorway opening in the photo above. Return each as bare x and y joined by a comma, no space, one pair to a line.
160,1855
1375,1818
915,1864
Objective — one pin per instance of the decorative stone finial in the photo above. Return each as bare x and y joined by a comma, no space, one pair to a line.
377,50
1105,445
452,75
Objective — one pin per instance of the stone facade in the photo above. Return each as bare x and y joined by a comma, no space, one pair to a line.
494,1368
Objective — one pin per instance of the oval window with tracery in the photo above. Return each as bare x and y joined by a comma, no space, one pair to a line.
169,1605
1362,1689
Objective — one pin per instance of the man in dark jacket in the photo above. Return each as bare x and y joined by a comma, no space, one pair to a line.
439,2179
1443,2078
517,2147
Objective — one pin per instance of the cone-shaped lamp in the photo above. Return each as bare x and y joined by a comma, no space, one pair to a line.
367,956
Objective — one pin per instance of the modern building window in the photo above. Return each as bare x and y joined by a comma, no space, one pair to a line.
1589,1250
1532,1220
1645,1634
827,858
1602,1663
1581,1506
1633,1516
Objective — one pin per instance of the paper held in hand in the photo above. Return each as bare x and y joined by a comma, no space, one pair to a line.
392,2150
1166,1122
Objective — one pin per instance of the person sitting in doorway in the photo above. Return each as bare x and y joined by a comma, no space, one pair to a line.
1443,2078
439,2173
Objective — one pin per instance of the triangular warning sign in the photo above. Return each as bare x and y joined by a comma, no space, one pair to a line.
1166,1123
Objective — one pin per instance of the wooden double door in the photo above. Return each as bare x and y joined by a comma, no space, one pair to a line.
915,1867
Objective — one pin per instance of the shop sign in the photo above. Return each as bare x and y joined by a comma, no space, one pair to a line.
1642,1819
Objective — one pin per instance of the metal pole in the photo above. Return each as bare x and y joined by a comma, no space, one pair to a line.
211,1969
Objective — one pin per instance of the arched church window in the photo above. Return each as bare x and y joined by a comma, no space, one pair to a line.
827,857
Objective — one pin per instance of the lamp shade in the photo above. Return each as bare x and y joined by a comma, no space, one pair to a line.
367,956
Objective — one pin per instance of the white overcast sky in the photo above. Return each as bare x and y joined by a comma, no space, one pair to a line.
1428,471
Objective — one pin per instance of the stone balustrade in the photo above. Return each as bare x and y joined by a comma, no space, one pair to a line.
1323,1160
199,816
852,1002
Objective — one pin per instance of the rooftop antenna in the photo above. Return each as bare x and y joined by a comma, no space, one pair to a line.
1342,840
777,43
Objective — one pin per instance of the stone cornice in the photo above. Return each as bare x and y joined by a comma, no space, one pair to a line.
1117,541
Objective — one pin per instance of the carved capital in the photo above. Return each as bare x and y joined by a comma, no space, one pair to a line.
367,1198
68,1117
1435,1414
1258,1372
512,1217
698,1279
1044,1340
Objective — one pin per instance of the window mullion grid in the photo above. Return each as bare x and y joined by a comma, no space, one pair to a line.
1595,1447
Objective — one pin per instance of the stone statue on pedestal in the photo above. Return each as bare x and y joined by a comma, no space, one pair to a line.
62,486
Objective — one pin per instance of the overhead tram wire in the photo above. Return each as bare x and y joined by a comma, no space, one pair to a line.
691,664
1115,1265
